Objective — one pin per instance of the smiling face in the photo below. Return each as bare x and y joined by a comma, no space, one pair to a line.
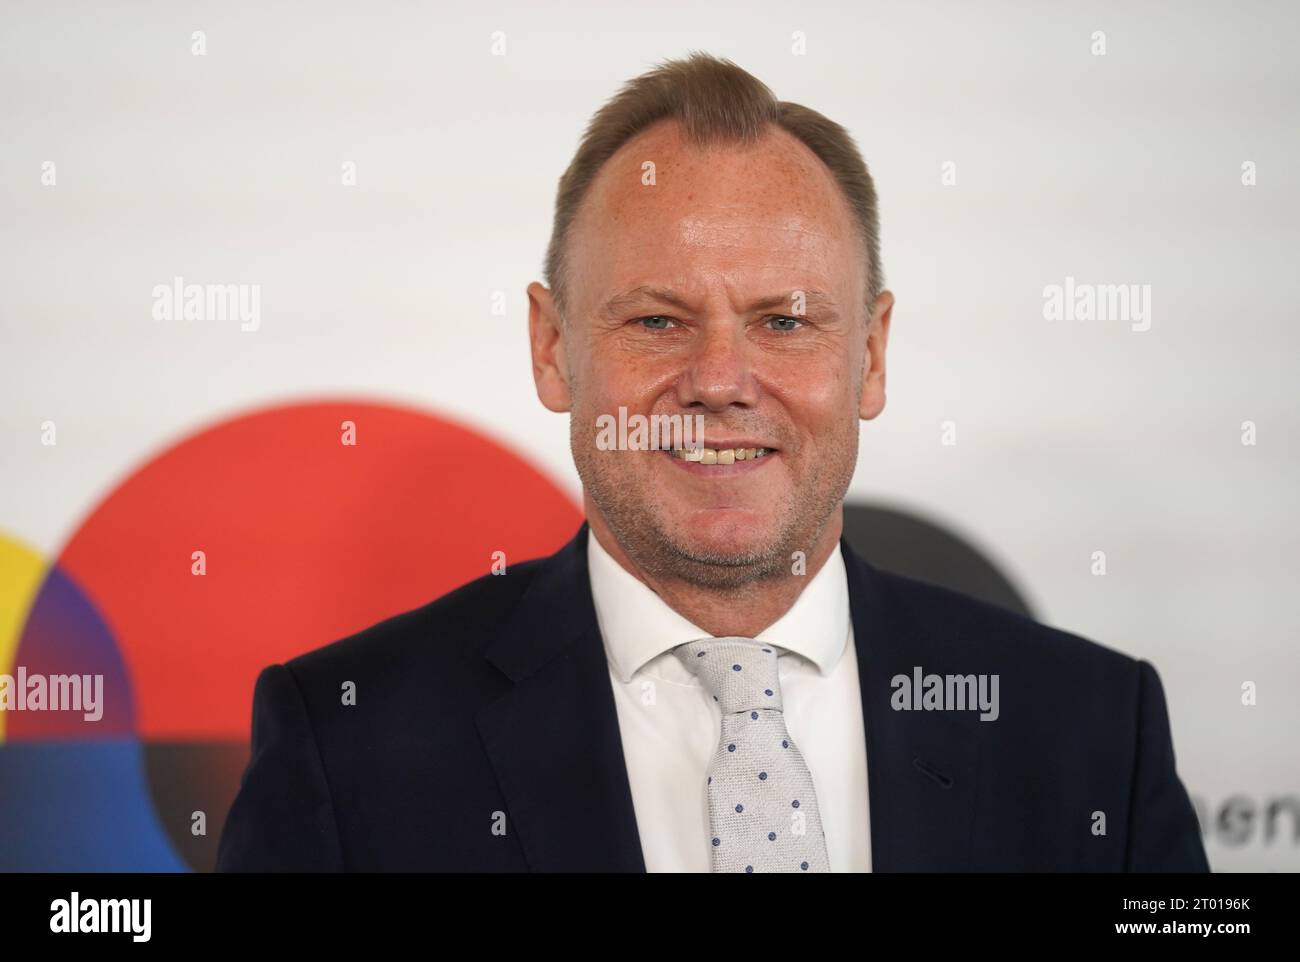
684,300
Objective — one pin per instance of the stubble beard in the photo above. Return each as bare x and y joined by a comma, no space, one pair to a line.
665,555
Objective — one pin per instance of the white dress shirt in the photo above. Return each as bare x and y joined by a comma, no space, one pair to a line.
670,727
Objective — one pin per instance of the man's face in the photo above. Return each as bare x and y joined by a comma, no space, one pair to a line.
733,233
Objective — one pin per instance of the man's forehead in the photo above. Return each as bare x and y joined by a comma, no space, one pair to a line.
660,172
769,216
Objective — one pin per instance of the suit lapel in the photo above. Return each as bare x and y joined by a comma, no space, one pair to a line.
921,765
553,739
555,745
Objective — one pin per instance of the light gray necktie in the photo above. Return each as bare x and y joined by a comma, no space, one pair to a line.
763,814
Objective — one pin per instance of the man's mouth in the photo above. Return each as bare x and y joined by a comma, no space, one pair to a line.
720,455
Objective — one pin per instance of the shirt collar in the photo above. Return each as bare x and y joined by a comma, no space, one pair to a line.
638,626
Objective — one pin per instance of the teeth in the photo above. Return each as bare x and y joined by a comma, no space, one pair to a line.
719,455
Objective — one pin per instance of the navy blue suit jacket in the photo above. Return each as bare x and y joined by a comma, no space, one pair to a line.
492,706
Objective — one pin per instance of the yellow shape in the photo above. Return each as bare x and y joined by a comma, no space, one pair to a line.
22,571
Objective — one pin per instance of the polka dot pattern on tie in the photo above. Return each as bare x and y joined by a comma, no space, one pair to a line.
763,814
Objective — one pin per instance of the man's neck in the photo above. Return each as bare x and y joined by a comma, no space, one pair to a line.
743,611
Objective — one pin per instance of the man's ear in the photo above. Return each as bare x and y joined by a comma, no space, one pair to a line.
873,371
546,337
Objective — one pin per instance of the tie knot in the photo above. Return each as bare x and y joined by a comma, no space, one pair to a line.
740,673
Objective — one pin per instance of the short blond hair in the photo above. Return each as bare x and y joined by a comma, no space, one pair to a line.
715,101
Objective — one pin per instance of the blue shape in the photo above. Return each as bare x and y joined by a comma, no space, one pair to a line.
80,807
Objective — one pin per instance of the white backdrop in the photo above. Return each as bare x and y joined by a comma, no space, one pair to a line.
1072,436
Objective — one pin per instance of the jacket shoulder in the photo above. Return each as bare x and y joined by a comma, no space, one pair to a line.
453,626
966,625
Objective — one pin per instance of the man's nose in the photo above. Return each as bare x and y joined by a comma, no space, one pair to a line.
719,369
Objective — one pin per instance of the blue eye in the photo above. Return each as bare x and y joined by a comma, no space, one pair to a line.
656,327
792,320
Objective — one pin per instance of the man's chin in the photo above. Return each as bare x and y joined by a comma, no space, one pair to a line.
729,539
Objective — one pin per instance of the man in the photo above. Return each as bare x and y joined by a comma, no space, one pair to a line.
707,677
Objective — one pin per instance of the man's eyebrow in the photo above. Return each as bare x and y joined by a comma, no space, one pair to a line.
642,294
646,293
